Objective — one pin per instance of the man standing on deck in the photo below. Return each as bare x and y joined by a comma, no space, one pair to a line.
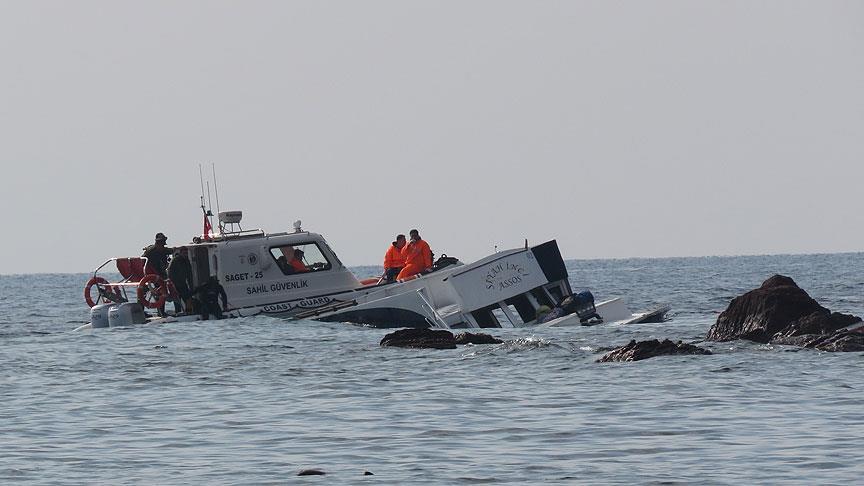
418,256
180,273
394,262
157,256
157,261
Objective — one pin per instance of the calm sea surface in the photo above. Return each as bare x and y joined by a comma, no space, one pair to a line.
253,401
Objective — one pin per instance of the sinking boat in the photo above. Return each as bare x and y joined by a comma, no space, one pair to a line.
520,287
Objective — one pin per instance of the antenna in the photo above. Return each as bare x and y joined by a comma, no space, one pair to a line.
209,201
207,224
215,186
201,176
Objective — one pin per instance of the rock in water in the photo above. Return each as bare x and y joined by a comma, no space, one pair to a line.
779,307
840,341
816,323
311,472
420,338
634,351
476,338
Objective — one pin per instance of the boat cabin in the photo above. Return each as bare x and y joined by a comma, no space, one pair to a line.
255,267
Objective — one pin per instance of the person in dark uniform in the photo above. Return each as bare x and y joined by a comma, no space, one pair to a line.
208,299
157,256
157,260
180,273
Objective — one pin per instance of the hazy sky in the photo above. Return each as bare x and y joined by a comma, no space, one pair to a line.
619,128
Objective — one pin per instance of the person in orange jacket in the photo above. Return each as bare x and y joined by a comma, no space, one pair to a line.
297,263
393,259
418,256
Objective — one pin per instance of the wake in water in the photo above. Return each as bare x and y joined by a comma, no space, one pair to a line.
518,345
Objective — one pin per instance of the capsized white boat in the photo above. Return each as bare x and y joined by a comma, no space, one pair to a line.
520,287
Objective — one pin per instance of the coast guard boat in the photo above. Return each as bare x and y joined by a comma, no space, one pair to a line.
513,288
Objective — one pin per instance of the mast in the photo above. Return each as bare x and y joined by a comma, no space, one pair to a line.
208,225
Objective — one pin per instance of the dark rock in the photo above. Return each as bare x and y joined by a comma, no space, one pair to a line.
476,338
778,306
840,341
802,340
420,338
311,472
367,473
816,323
634,351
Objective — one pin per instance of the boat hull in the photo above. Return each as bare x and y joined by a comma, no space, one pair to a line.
613,311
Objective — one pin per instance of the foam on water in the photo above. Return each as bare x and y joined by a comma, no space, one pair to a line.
254,400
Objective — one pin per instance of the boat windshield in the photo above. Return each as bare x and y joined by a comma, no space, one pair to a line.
300,258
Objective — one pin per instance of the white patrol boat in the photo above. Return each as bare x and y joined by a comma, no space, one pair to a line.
513,288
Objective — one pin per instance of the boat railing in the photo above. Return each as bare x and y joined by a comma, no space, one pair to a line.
436,320
234,235
114,259
101,266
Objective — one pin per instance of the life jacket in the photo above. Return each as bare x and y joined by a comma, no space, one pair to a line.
394,258
298,266
418,254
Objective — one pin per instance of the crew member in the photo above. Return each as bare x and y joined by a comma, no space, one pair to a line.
157,261
393,259
157,256
418,256
282,261
208,298
180,273
297,263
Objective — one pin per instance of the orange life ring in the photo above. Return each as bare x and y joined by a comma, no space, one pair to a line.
151,291
97,281
370,281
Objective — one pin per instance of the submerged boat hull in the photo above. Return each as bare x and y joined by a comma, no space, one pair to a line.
613,311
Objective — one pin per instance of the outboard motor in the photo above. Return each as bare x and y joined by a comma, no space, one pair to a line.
126,314
583,304
99,315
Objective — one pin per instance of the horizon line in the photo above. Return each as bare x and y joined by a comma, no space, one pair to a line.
565,259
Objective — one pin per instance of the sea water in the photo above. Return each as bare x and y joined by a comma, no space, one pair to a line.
255,400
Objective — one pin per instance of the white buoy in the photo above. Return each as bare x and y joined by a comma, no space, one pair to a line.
126,314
